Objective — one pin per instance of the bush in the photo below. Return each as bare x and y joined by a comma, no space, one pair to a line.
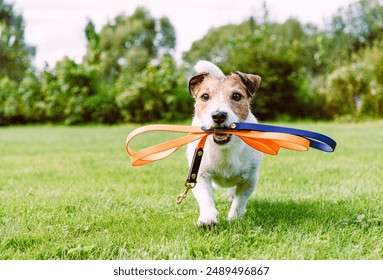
8,101
74,94
157,93
356,88
31,98
21,102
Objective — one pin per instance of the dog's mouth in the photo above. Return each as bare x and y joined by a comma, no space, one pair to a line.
221,138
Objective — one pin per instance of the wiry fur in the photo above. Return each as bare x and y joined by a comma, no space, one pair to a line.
232,165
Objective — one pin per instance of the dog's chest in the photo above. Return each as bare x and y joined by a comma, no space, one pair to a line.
227,167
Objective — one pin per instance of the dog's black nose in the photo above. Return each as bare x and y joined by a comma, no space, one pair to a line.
219,117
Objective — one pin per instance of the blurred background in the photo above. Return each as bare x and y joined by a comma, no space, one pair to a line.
129,61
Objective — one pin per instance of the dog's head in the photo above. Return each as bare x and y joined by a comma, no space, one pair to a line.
222,100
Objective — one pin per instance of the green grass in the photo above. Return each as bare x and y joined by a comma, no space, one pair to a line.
70,193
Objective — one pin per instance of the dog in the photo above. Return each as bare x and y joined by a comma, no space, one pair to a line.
227,162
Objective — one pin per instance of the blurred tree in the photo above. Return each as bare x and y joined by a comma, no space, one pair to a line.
8,107
72,94
31,98
165,40
352,28
15,54
128,43
157,93
93,53
21,102
214,45
356,88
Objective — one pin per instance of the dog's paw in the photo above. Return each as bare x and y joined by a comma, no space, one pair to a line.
208,219
235,215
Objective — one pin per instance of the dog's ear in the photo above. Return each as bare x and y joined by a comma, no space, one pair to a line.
195,81
250,81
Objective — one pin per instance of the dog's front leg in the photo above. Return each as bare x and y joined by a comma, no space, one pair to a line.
203,192
241,197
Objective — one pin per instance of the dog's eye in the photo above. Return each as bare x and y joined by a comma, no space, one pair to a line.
205,97
236,96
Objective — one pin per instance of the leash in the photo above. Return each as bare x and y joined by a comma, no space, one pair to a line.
264,138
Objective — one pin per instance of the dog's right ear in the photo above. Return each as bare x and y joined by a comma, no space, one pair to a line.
196,81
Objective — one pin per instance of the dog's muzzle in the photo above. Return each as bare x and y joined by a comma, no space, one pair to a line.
219,118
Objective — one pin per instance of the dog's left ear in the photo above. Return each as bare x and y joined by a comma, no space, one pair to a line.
250,81
195,81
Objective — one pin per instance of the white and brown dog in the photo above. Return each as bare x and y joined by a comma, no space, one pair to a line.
227,162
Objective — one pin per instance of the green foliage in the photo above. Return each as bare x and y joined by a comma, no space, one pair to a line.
21,102
8,108
165,40
128,73
155,94
354,27
32,106
356,88
128,43
15,54
120,59
73,95
214,45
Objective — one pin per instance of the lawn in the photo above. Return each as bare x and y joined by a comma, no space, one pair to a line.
70,193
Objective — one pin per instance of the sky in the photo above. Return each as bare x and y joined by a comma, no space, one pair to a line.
56,27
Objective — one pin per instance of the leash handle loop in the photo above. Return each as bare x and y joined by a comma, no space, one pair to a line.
162,150
317,140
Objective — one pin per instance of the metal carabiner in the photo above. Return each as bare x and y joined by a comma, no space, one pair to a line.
182,196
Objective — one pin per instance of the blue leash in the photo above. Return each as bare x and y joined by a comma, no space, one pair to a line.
317,140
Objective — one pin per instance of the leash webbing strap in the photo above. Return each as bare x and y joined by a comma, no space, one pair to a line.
265,138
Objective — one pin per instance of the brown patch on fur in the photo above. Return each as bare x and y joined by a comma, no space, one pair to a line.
208,85
240,108
195,82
